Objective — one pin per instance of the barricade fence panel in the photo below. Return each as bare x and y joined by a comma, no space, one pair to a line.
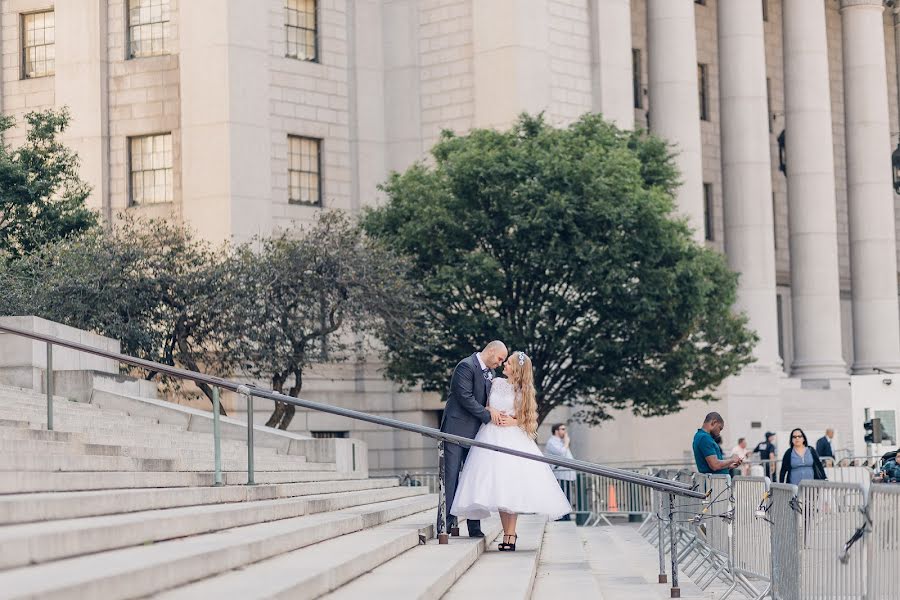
751,528
883,546
719,488
832,514
784,515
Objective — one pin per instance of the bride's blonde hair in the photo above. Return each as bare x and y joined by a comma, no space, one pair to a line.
522,379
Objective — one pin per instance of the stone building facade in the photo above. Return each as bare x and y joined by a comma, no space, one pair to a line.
244,116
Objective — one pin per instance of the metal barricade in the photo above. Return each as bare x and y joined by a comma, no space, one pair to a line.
832,557
719,487
752,535
860,475
884,542
784,515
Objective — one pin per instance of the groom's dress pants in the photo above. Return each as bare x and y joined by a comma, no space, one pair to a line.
454,457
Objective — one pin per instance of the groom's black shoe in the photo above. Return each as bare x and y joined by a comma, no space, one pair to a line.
474,528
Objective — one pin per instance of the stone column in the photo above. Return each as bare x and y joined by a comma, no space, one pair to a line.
815,291
674,97
611,69
746,170
873,250
81,82
511,60
402,88
225,136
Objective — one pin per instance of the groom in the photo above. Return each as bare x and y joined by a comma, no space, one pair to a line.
465,412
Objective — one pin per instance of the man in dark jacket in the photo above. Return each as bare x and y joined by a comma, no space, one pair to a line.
466,410
823,445
767,453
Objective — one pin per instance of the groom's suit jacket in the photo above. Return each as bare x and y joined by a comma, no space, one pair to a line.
469,389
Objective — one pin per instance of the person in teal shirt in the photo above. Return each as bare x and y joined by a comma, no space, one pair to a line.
707,452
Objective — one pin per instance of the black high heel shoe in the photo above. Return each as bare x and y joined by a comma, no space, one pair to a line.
505,546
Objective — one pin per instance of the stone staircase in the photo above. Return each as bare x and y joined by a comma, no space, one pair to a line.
118,505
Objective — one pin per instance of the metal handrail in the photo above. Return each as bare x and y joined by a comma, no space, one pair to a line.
248,391
244,389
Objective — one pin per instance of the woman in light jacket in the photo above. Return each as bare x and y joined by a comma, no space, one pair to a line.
800,461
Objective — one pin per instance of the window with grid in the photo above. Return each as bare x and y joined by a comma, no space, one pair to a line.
703,87
636,85
765,9
301,28
151,169
327,435
304,172
148,28
38,44
708,211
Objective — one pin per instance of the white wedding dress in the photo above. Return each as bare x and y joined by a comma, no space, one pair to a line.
492,481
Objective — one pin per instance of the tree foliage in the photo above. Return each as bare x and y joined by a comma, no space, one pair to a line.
147,283
313,294
562,243
41,194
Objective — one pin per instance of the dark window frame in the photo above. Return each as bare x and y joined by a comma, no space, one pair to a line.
709,229
130,168
129,34
318,173
23,49
637,83
703,90
301,30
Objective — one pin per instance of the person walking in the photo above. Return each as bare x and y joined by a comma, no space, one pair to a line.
708,454
767,452
558,447
824,447
800,461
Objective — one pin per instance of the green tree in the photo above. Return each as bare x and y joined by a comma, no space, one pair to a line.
313,295
147,283
41,195
562,243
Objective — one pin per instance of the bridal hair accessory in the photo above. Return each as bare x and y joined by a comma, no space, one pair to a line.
521,358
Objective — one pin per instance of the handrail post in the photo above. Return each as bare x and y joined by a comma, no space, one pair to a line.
49,386
661,539
217,439
246,393
675,592
442,535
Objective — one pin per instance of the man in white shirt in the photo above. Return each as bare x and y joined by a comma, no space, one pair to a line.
741,451
558,447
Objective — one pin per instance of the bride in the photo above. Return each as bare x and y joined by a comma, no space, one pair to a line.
495,482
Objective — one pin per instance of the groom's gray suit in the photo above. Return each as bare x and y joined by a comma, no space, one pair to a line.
464,413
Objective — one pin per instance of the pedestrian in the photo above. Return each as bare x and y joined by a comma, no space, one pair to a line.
742,452
767,453
558,447
707,451
800,461
823,445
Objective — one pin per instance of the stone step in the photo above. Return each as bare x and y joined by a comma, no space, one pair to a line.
518,568
144,570
634,574
28,508
64,462
44,481
163,450
425,572
315,570
88,423
186,440
35,543
563,569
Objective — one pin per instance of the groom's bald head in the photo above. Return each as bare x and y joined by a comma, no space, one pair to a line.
494,354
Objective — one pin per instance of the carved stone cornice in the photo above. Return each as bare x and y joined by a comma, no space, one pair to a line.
854,3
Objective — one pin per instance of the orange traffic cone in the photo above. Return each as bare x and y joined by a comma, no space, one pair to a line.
611,504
